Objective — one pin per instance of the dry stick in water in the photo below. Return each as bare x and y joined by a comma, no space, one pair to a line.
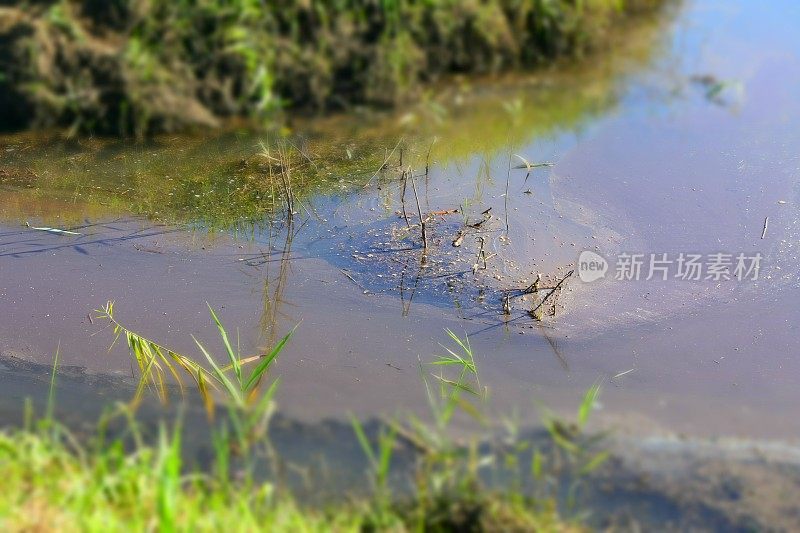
506,304
443,212
265,154
383,165
623,373
508,178
428,157
286,178
403,199
533,287
532,312
351,278
766,224
481,255
421,220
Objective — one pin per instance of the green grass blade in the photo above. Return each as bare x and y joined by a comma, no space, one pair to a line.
588,404
219,375
595,462
363,441
387,441
237,367
260,413
457,384
202,386
168,480
264,364
51,397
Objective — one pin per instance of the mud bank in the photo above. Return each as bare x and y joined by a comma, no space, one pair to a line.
132,67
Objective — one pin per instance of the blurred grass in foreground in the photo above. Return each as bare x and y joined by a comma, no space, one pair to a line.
52,480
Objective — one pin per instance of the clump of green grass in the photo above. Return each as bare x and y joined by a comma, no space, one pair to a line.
51,482
156,362
248,405
450,482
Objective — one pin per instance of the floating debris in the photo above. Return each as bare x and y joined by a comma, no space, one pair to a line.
53,230
715,89
623,373
528,165
445,212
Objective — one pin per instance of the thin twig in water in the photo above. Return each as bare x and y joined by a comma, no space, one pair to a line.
57,231
481,255
623,373
479,223
351,278
286,179
403,199
533,311
304,154
508,178
533,287
428,157
383,165
421,220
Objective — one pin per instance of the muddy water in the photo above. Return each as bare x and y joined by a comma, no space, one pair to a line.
681,139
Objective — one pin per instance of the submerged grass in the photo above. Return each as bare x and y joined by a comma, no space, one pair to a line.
53,480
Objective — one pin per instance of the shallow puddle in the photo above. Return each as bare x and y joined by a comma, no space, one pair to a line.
682,140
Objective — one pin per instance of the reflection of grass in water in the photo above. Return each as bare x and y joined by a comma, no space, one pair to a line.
492,115
275,283
222,182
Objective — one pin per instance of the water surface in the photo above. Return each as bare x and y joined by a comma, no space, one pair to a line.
679,139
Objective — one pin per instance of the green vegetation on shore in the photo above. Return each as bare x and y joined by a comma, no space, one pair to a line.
52,483
129,478
134,67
